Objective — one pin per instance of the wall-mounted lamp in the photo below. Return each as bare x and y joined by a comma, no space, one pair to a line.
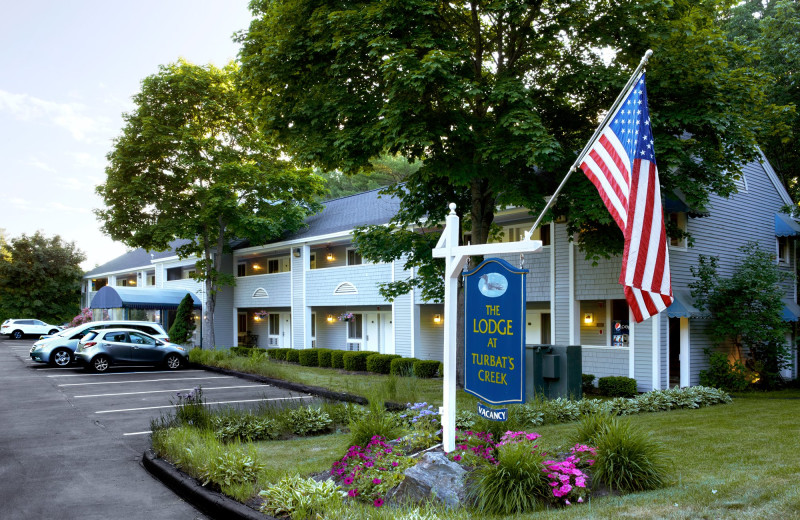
330,318
296,252
588,318
329,254
256,267
437,318
256,318
131,282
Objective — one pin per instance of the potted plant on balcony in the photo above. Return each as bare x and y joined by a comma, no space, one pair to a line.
347,316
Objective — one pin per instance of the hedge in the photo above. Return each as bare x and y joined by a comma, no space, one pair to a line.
617,386
324,357
356,361
247,351
402,366
587,383
380,363
277,353
426,368
309,357
292,355
337,358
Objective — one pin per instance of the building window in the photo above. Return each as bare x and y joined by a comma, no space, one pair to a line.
783,250
313,325
188,273
274,324
354,327
678,221
312,261
353,257
242,321
273,266
241,269
515,233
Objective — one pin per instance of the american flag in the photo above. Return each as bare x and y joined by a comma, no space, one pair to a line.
621,163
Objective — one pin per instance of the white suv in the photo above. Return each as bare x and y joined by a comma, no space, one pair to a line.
19,328
59,350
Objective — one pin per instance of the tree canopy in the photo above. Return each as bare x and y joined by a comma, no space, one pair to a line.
40,278
191,164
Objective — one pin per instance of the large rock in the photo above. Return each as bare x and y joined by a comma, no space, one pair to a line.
434,477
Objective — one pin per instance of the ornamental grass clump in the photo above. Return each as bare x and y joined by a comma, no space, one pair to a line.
516,483
368,473
377,422
628,458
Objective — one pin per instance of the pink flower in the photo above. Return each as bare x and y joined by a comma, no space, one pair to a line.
376,481
457,458
378,502
353,492
580,500
395,464
347,481
566,488
580,481
567,502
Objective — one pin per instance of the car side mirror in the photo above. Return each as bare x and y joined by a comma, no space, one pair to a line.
159,344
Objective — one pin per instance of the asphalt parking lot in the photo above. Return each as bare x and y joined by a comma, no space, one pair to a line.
71,441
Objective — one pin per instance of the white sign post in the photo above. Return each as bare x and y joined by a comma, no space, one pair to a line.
455,257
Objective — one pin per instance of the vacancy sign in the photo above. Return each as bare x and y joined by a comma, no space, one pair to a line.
494,341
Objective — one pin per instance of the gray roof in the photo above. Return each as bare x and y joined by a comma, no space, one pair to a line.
343,214
363,209
136,258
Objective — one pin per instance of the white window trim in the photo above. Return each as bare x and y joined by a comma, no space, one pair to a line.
683,225
347,257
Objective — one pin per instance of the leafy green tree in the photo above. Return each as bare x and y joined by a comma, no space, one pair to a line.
773,26
40,278
183,327
747,309
497,98
191,164
385,170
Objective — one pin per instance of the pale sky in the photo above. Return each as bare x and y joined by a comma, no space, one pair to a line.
68,70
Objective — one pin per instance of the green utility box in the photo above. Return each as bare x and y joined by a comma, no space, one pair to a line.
553,371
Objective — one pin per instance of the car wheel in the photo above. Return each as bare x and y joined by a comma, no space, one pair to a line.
17,334
61,357
100,363
173,361
54,331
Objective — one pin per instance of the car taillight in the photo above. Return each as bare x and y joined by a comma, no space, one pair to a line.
89,344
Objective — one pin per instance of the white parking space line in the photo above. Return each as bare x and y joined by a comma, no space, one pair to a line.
146,381
137,433
165,391
215,402
126,373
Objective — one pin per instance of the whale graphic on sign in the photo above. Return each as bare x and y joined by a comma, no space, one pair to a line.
492,285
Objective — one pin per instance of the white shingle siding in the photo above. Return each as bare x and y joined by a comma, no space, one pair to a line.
605,361
277,285
364,277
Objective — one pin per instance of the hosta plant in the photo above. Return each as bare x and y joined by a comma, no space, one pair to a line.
299,498
232,467
307,420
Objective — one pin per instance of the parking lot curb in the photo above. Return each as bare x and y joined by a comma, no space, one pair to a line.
297,387
209,502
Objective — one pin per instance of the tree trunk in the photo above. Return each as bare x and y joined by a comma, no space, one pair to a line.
209,341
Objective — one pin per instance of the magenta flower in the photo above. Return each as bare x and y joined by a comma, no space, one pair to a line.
376,481
567,502
378,502
457,458
395,464
352,493
347,481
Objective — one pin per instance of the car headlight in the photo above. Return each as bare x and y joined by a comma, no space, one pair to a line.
181,349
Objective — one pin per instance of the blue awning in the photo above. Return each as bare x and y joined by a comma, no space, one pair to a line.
791,311
110,297
785,226
683,306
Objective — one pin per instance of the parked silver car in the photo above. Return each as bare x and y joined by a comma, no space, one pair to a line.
99,349
58,349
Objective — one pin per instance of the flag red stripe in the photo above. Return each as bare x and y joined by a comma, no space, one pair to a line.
601,189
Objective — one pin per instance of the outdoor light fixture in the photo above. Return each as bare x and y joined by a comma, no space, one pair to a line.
256,318
256,267
330,318
296,252
588,318
329,255
437,318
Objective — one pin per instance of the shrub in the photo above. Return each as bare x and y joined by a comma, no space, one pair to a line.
324,357
380,363
376,422
308,357
242,427
589,427
232,467
628,459
298,497
184,324
307,420
247,351
337,359
402,366
622,406
723,374
277,353
617,386
426,368
517,484
587,383
356,361
292,355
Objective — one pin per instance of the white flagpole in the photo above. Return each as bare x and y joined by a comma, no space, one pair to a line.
597,132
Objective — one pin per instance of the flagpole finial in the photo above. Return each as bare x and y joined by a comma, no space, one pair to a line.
647,56
452,207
